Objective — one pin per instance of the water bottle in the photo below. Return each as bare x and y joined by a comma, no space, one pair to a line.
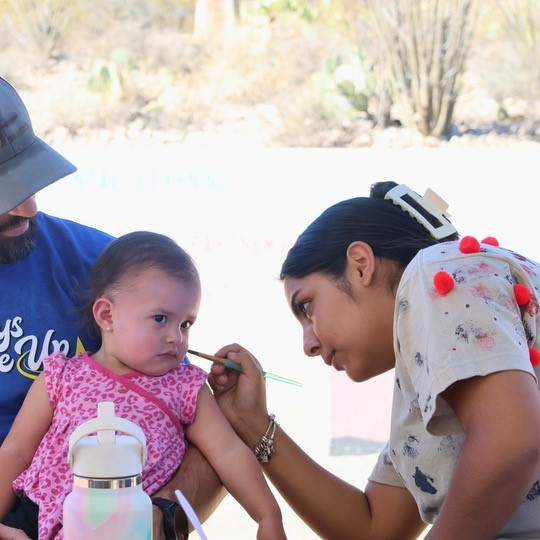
107,501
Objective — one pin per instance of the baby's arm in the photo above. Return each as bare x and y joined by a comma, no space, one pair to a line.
500,458
235,464
20,445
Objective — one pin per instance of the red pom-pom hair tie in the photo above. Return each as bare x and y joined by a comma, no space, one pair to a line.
469,244
491,241
522,294
535,357
443,282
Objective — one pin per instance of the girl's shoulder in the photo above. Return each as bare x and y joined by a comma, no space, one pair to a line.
184,376
60,358
191,372
58,365
468,252
55,360
61,371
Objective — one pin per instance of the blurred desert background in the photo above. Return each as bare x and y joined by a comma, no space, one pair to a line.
230,125
287,73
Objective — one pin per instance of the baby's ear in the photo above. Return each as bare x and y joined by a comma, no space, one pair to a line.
361,261
102,311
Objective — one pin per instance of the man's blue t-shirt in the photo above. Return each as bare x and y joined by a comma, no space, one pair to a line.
39,308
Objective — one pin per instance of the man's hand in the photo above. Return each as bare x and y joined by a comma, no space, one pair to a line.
157,523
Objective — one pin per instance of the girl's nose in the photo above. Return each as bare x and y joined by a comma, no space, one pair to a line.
311,343
176,335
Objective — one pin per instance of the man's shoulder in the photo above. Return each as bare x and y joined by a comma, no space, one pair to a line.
71,231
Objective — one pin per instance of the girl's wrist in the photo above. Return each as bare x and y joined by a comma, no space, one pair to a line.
252,428
273,515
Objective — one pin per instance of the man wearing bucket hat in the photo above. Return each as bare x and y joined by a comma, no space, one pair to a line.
44,265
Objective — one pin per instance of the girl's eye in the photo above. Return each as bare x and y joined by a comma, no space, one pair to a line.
187,324
161,319
303,307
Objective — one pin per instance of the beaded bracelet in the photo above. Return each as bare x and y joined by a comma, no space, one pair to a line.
265,448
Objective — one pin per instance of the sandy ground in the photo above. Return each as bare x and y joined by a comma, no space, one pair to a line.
238,210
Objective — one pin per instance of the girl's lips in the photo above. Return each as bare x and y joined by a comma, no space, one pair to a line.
328,361
18,229
336,366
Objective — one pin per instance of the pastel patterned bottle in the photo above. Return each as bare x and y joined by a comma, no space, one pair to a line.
107,500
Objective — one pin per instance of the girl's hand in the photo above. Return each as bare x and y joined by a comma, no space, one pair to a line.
10,533
241,396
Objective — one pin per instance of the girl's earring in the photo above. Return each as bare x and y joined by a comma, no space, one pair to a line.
108,328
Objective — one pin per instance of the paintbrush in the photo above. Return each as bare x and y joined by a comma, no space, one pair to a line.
228,363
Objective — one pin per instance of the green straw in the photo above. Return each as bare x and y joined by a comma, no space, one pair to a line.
228,363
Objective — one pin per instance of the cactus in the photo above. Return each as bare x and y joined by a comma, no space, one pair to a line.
355,79
111,77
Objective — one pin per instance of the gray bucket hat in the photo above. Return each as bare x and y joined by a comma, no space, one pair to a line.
27,164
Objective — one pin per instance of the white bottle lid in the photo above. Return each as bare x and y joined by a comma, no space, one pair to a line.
106,454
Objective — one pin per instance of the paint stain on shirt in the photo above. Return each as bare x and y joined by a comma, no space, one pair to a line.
424,482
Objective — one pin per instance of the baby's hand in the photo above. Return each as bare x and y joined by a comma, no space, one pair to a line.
271,528
10,533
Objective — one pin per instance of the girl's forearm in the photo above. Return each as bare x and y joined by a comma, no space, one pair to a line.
244,480
319,498
333,508
311,491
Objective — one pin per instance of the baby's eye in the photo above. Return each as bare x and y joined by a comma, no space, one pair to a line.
187,324
161,319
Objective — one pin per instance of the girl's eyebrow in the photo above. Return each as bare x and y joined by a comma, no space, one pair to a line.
161,310
294,304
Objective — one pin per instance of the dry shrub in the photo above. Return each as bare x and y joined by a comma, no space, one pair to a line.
315,120
508,58
426,46
40,25
263,75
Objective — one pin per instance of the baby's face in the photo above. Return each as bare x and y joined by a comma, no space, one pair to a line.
151,319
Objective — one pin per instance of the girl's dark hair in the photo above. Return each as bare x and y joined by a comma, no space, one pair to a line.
126,257
390,232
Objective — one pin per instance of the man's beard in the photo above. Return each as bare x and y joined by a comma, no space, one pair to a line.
15,249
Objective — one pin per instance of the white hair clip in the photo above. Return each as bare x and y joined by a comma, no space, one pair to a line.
434,205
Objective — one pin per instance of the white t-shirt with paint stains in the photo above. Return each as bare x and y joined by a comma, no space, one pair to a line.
475,329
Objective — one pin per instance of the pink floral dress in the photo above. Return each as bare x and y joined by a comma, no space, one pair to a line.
159,405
